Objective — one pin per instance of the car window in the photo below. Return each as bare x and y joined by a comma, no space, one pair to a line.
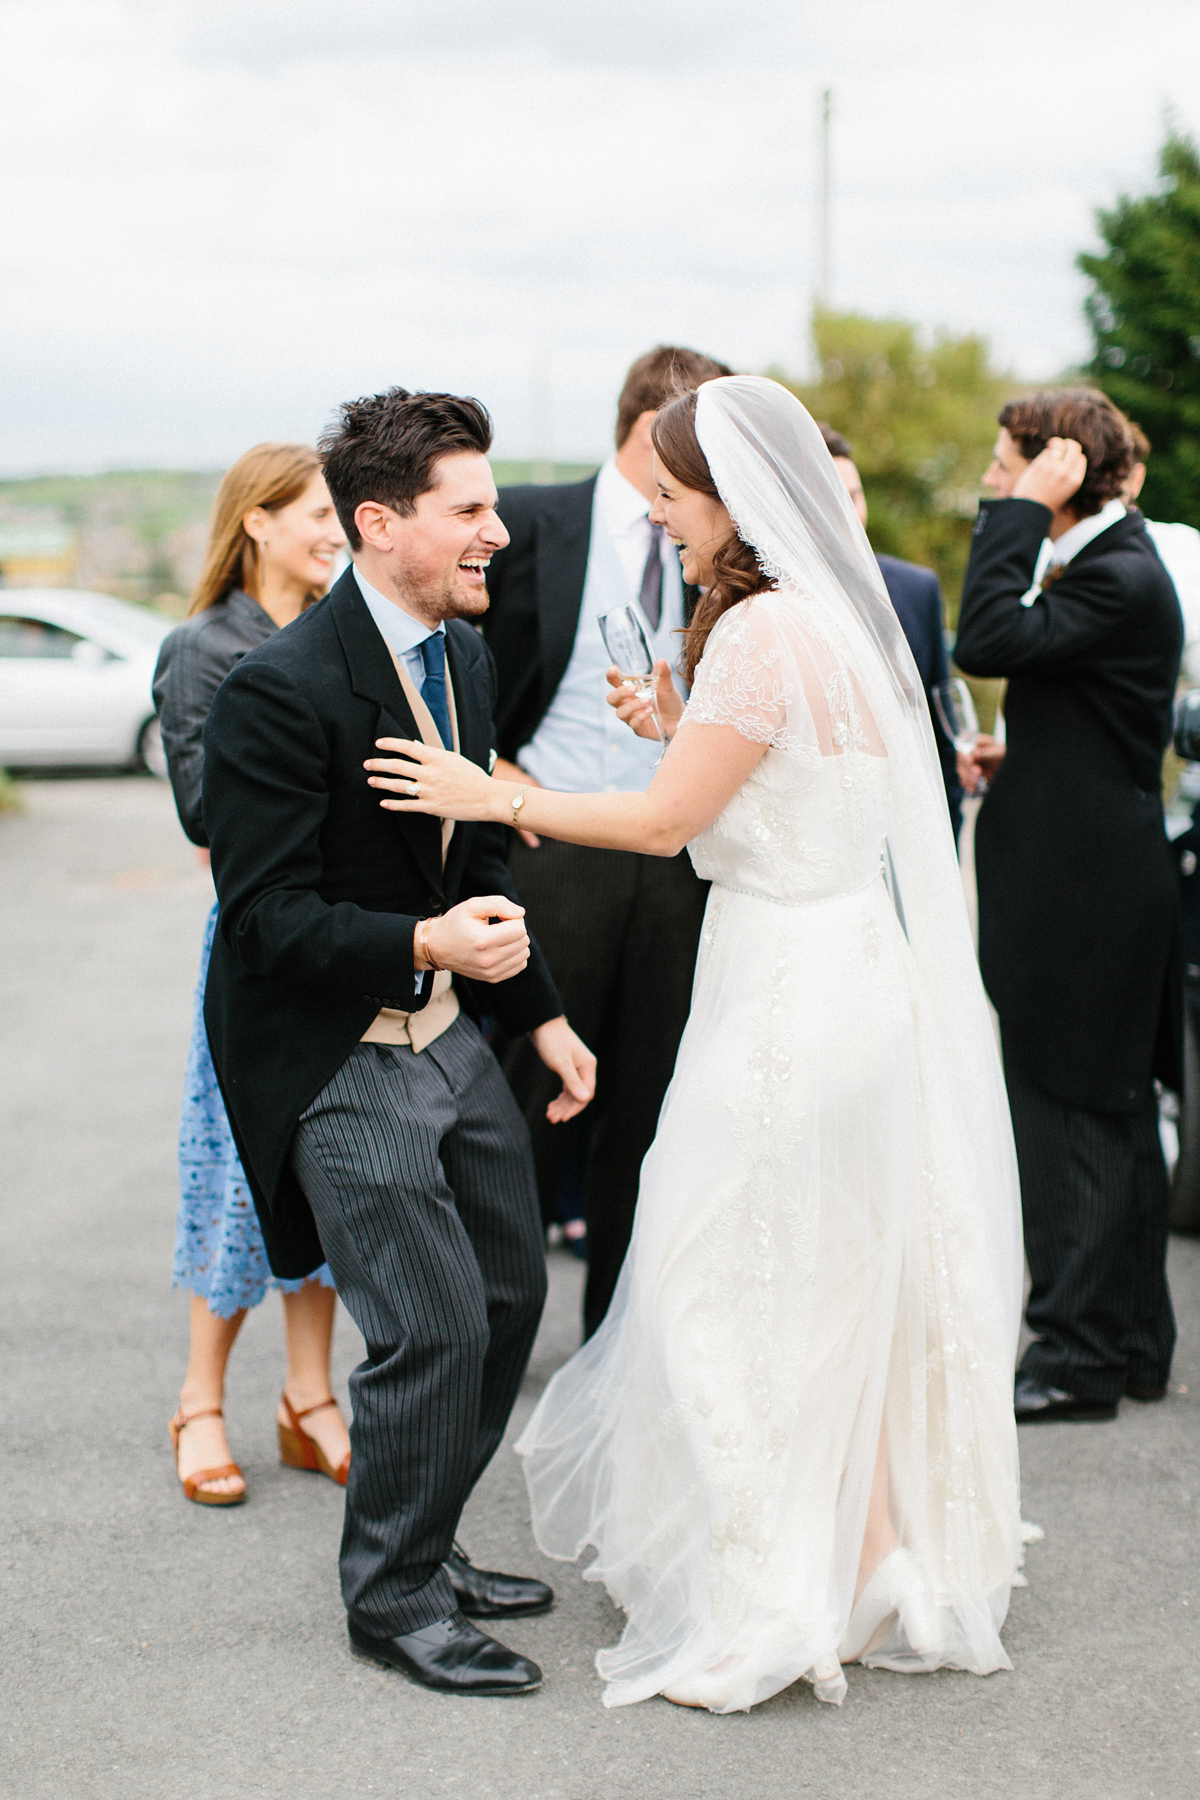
138,622
34,637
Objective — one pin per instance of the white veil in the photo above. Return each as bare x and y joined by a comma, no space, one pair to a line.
776,477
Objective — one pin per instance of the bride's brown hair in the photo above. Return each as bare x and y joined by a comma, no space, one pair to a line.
737,571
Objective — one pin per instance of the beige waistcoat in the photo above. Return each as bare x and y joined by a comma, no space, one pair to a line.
418,1029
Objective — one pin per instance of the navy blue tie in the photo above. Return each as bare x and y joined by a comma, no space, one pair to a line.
433,688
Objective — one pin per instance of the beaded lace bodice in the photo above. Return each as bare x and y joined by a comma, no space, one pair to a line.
797,831
809,822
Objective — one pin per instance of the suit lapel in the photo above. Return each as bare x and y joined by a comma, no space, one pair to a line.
563,533
373,677
468,702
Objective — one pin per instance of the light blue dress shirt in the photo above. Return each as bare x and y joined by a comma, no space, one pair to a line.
402,634
581,745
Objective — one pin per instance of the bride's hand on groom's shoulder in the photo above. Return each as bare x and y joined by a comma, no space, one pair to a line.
419,778
636,711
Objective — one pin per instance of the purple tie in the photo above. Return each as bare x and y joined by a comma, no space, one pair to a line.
651,594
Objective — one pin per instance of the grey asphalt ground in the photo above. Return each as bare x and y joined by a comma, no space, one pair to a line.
160,1650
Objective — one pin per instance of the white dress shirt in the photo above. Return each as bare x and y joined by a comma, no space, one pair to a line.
581,745
402,634
1178,549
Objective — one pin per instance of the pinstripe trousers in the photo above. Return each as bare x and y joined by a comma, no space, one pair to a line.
419,1174
1095,1200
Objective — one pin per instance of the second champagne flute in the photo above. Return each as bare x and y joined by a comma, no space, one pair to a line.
955,708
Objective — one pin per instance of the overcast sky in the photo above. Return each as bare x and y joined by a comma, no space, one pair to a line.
221,217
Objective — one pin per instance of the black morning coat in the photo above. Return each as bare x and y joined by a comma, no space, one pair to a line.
536,589
1078,894
320,889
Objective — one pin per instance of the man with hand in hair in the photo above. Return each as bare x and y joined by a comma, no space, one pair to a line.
1078,895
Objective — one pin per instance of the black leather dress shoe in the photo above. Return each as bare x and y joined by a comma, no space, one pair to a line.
486,1594
1139,1391
1036,1404
451,1657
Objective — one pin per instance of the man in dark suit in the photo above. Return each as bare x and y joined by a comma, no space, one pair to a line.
1078,897
916,595
355,951
619,930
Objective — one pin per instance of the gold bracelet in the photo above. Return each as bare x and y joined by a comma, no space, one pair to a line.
518,803
423,950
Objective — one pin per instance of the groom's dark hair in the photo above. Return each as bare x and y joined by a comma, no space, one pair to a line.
384,448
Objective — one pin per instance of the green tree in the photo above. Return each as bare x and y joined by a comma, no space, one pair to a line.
1144,312
921,418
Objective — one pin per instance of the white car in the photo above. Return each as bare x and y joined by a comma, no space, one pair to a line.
75,674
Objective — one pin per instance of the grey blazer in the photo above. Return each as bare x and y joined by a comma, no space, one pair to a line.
194,660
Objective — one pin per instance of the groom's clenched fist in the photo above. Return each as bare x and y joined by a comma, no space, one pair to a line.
484,938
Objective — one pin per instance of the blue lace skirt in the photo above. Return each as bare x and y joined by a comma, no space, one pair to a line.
219,1251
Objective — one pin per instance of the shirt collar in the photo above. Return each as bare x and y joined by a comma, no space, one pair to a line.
399,630
617,500
1072,541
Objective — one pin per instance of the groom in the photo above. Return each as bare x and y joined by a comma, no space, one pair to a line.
356,951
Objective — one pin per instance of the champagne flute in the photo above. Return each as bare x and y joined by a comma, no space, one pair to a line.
629,648
955,708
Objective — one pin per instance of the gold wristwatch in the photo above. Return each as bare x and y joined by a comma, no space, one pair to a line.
518,803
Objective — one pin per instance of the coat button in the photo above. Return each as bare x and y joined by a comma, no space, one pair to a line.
435,900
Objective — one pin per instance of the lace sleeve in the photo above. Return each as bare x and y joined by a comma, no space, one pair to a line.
742,679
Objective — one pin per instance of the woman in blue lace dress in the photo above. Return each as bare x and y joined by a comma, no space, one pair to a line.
271,551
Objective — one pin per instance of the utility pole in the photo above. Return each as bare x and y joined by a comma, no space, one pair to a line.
825,256
541,416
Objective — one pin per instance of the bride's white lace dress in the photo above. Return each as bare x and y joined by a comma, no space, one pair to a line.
817,1253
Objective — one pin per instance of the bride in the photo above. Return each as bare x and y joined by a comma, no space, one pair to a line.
791,1443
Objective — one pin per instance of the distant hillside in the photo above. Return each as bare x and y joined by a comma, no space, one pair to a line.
138,533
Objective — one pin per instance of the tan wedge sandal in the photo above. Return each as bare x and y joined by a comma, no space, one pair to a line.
299,1451
195,1487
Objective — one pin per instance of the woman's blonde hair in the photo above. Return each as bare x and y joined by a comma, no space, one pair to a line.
270,476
